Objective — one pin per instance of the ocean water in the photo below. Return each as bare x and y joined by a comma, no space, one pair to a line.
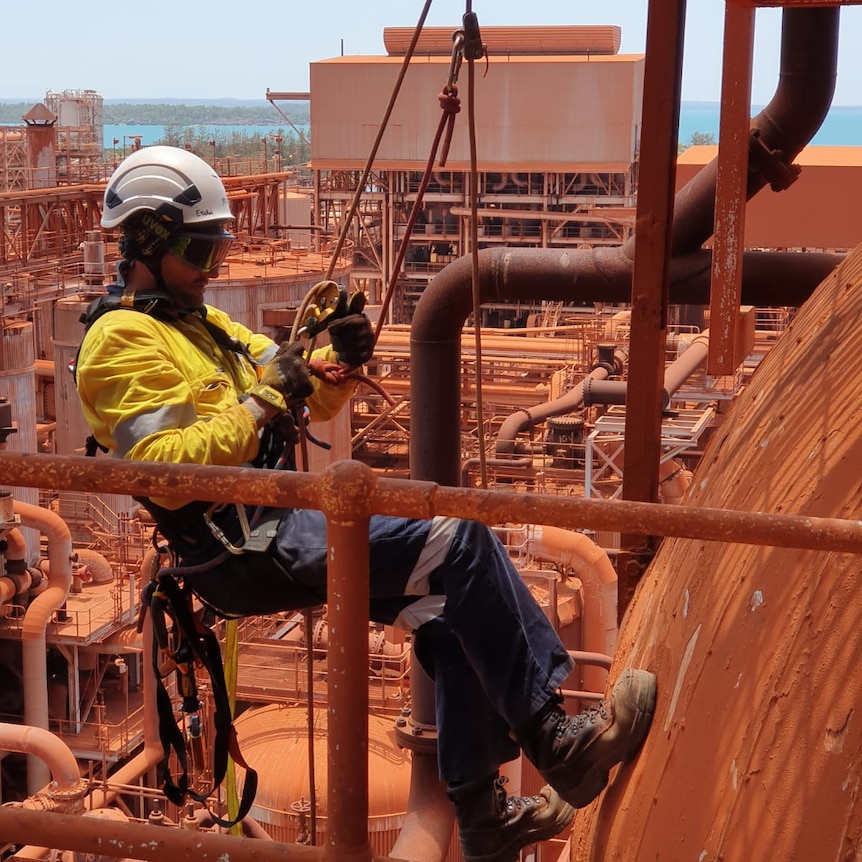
842,127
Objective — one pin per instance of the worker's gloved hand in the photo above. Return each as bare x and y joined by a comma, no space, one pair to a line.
288,373
352,338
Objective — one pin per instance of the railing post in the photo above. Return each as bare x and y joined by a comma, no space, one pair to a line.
345,499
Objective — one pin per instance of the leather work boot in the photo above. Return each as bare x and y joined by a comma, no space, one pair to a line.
494,826
575,753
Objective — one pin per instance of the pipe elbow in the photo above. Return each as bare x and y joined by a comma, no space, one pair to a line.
509,430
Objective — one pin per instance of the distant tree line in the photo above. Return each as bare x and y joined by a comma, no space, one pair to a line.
212,145
698,139
170,114
213,115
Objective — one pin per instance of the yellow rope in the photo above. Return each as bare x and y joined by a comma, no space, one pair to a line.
231,666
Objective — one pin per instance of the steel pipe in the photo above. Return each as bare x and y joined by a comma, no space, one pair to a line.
116,839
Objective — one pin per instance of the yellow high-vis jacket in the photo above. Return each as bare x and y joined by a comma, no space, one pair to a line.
157,390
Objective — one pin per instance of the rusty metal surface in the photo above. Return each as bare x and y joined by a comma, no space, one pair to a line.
426,499
345,491
111,838
651,273
731,179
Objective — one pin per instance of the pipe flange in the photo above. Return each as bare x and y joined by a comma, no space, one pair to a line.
610,367
413,735
67,795
771,164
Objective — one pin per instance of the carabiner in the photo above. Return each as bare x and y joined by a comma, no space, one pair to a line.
455,63
217,531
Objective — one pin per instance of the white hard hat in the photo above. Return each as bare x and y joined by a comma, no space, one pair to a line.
174,183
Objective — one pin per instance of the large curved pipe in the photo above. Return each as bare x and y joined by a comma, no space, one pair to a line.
98,568
51,750
66,792
579,553
35,625
806,84
583,275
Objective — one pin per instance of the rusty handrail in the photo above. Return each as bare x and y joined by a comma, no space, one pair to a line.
426,499
120,839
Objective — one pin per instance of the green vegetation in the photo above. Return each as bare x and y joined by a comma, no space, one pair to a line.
211,115
701,139
211,144
698,139
185,115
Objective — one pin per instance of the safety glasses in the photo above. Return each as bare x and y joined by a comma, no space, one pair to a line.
202,251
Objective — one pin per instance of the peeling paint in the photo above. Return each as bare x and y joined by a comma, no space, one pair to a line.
755,601
683,668
833,738
685,604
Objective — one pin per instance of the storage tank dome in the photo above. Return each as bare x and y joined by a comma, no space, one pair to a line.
273,740
756,746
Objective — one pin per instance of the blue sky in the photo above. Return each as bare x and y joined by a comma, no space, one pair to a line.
214,49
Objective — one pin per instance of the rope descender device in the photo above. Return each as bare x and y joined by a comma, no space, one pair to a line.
320,307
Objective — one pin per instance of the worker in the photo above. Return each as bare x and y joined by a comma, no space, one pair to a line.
163,377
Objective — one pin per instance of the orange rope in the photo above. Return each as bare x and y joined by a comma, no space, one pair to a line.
451,105
354,204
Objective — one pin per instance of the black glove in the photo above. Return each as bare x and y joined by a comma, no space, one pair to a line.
352,338
288,373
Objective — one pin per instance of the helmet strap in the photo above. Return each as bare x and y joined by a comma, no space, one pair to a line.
154,265
146,239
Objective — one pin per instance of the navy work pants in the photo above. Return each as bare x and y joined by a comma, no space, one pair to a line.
478,632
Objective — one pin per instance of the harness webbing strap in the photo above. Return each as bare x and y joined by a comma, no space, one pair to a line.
203,645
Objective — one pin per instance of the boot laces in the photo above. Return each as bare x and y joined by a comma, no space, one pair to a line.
513,803
565,723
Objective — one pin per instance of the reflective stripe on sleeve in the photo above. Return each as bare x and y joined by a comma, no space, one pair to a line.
130,432
267,354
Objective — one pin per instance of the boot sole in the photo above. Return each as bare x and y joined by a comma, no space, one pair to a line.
596,778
